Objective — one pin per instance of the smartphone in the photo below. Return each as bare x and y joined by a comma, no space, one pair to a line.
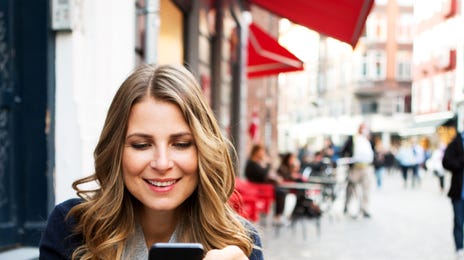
176,251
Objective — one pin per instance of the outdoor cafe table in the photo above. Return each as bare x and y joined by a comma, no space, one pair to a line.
310,183
319,189
324,188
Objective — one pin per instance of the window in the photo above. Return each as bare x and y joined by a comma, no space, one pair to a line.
373,65
403,65
364,66
378,65
404,28
369,107
398,104
376,27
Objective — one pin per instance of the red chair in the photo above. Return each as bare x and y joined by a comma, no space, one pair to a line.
244,206
252,199
265,194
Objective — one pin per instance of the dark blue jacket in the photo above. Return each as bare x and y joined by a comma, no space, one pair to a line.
58,241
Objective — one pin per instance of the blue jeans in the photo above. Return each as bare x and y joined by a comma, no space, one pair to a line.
415,173
458,208
379,175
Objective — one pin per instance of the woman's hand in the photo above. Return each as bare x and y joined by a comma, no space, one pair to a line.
227,253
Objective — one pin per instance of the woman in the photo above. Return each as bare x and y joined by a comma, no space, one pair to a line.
258,170
165,174
289,168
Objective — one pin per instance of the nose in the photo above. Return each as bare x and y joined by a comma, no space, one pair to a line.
161,160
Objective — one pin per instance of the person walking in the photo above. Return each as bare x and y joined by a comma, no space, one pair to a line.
419,154
434,164
407,161
379,162
360,150
453,160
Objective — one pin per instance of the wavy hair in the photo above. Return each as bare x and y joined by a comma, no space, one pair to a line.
106,217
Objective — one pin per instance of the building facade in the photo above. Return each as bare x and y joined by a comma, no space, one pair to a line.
437,84
347,85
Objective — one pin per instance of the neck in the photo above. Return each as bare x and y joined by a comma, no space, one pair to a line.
157,226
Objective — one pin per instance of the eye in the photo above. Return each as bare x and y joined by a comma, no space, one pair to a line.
140,146
183,145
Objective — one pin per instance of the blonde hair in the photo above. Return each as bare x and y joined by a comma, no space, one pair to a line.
106,219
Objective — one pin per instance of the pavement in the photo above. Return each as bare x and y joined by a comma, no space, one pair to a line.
406,223
23,253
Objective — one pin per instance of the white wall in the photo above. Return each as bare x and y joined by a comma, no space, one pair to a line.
91,63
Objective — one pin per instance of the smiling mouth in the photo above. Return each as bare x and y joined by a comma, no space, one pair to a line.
161,183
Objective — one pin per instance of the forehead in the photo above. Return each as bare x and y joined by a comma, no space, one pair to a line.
151,114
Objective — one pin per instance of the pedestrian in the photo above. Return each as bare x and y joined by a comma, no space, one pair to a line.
330,151
453,160
390,161
407,160
379,162
360,150
164,173
420,155
258,170
434,164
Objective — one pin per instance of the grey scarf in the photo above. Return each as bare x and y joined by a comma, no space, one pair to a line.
136,247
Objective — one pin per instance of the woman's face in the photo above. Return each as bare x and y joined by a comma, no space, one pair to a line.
294,163
160,161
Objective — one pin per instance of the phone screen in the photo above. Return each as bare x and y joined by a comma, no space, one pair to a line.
176,251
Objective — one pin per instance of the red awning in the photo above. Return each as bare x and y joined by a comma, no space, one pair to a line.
340,19
266,56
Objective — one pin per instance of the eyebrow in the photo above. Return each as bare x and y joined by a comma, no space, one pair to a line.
176,135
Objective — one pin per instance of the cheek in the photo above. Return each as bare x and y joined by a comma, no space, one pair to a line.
189,164
132,164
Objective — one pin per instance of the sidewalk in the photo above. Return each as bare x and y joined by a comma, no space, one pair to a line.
406,224
23,253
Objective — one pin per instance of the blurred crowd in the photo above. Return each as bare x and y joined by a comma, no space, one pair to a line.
355,160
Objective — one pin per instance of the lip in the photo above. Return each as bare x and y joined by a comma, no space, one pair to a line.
162,185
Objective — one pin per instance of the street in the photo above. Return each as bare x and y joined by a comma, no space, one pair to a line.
406,223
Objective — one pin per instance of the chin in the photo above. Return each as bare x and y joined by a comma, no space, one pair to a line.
161,206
